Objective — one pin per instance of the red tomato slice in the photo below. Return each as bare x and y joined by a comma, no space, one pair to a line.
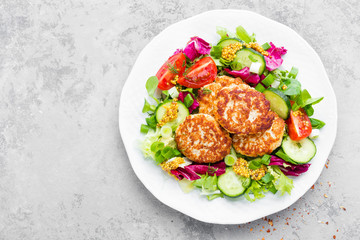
201,73
299,125
175,65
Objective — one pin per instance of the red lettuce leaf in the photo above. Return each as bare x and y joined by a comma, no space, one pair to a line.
196,47
245,75
191,172
274,60
289,169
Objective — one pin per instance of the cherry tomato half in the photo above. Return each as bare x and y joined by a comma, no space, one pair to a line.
175,65
299,125
201,73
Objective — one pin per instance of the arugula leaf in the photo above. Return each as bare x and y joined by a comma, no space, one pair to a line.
316,123
151,85
290,86
309,110
148,107
312,101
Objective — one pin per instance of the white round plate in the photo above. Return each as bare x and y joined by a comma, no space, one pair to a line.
312,75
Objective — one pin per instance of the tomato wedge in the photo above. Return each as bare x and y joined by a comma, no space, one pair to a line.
299,125
201,73
175,65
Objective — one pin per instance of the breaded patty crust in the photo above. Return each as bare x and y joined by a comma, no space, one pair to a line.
261,143
226,81
206,97
201,139
242,110
207,94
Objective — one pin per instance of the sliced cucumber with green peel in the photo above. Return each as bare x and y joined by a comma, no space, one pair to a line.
279,102
227,41
301,151
247,56
232,185
182,112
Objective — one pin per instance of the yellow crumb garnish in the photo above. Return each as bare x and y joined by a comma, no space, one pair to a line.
170,114
167,166
241,167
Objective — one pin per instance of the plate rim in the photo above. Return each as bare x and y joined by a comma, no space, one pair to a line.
126,144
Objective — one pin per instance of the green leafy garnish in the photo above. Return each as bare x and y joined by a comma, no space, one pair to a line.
267,178
316,123
293,72
290,86
151,121
144,128
255,164
206,91
266,46
256,189
148,107
188,100
284,185
216,51
151,85
243,35
172,68
265,159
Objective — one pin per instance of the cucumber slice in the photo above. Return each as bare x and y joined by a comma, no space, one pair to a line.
232,185
183,111
227,41
279,102
301,151
246,56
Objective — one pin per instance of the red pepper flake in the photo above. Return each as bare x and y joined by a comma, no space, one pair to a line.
327,223
270,222
286,223
268,230
274,229
308,213
251,229
337,230
312,186
294,209
334,237
326,166
263,227
263,239
343,208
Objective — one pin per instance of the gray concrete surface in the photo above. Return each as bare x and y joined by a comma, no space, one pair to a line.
64,173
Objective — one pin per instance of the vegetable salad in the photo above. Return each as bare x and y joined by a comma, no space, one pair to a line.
173,96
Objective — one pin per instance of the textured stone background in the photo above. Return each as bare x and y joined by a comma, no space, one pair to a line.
64,173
